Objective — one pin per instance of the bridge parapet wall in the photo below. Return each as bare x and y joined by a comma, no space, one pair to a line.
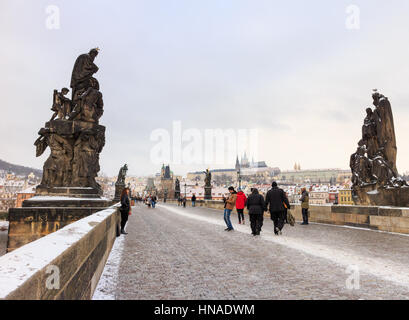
391,219
64,265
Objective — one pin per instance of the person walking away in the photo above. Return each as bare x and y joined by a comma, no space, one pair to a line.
229,206
184,202
255,205
240,205
153,201
179,201
149,201
125,209
305,205
275,200
194,200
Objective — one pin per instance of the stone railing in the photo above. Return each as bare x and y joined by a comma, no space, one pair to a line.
66,264
391,219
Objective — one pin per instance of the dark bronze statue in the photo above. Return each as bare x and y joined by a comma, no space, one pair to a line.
73,134
61,104
122,175
84,69
208,178
375,177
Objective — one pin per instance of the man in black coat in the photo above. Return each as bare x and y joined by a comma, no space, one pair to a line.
255,205
275,200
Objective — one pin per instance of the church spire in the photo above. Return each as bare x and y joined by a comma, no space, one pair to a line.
237,163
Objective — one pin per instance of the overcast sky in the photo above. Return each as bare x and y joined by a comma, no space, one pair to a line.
290,69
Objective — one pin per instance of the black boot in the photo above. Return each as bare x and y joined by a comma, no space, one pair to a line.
123,231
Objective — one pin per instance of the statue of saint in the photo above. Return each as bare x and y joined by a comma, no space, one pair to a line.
89,105
208,178
61,104
84,69
122,174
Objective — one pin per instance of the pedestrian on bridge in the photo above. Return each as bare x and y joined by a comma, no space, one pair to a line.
305,205
194,200
255,205
240,205
153,201
229,206
125,209
275,200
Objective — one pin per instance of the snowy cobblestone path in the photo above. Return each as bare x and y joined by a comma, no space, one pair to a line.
184,253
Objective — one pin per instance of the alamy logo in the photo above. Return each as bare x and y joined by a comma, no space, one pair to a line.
53,280
353,21
208,146
353,281
52,21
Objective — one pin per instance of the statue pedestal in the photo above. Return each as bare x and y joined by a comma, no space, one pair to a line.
118,190
208,193
50,210
373,196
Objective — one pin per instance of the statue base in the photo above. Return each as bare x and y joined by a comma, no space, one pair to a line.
50,210
373,196
208,193
118,190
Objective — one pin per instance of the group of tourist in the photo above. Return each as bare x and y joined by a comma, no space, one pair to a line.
182,201
151,201
276,202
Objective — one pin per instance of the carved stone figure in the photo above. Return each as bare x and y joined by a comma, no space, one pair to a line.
208,178
122,174
84,69
61,104
177,188
89,105
76,142
208,185
374,174
120,182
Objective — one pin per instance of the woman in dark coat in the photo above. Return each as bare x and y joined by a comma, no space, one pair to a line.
125,209
255,205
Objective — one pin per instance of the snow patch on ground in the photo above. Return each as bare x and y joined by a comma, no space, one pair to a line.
387,270
106,287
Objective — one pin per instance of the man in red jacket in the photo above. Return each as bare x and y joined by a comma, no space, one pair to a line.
240,205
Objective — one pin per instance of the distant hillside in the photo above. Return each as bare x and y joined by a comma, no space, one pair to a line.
19,170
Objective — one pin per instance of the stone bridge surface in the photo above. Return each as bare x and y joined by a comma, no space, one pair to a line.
184,253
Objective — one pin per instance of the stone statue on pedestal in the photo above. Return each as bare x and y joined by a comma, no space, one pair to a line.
374,174
177,188
120,182
68,190
73,134
208,185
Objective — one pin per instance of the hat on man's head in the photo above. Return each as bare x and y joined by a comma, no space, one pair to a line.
274,184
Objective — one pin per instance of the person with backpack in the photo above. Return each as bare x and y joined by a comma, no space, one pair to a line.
305,205
275,200
240,205
229,206
255,205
